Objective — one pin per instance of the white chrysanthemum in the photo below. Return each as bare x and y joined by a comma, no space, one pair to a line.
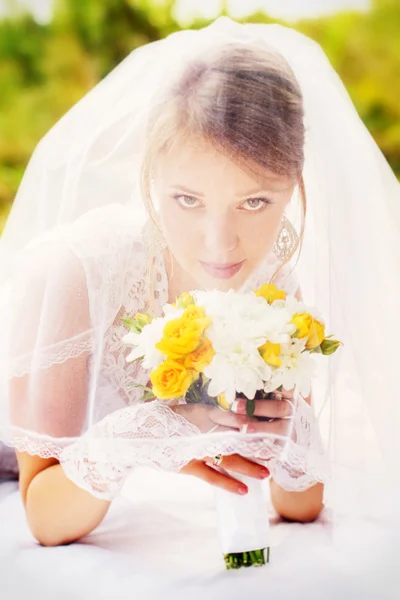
243,371
243,317
172,312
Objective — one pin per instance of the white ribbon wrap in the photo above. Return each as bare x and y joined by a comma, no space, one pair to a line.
243,522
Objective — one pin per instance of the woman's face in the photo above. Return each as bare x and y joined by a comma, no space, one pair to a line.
219,223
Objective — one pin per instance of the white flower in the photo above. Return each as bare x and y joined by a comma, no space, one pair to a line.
240,317
241,371
172,312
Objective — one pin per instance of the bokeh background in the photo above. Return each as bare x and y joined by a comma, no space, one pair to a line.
53,51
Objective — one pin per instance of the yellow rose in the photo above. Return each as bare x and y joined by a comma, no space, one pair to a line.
303,323
271,353
201,357
223,402
196,313
181,336
170,379
184,300
270,293
316,335
310,328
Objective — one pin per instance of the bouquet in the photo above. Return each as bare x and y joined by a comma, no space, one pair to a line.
211,347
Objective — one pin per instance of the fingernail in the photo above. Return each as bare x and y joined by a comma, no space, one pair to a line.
264,472
243,490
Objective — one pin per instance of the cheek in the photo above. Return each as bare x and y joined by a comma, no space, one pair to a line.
178,230
260,232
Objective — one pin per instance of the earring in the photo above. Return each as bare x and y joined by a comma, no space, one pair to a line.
153,238
287,240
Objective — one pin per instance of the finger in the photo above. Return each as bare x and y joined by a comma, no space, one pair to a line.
281,427
246,425
240,464
213,477
274,409
227,418
283,394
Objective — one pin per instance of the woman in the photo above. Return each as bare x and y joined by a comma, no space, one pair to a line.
208,132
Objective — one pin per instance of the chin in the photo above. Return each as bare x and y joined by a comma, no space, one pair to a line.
221,285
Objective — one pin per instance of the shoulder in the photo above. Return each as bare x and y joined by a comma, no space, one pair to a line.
103,246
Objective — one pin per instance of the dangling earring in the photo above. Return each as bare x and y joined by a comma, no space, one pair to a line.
287,240
153,238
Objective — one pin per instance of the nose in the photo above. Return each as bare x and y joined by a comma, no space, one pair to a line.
221,237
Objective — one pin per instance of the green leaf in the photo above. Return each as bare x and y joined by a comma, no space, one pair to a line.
143,387
131,324
148,396
250,408
317,350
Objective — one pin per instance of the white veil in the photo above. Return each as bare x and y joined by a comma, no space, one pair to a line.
84,178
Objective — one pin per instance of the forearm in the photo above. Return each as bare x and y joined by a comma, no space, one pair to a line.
58,511
297,506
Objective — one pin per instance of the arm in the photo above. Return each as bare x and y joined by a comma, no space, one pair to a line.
52,399
302,506
297,506
58,512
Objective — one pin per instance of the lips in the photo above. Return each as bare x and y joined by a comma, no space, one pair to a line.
222,271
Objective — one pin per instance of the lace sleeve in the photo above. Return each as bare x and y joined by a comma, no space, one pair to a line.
304,460
143,434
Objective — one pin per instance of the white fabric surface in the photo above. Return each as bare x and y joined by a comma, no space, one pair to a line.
159,541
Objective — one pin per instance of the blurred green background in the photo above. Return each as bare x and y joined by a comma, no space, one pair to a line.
48,64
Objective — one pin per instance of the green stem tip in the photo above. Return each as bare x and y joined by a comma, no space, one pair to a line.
255,558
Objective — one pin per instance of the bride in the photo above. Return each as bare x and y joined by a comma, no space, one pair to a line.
208,160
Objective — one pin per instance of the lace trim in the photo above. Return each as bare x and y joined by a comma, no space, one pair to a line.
153,434
56,354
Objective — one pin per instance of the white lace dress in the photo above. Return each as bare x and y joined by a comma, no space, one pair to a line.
100,459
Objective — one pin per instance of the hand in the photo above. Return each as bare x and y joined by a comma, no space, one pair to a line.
207,417
270,415
233,462
202,415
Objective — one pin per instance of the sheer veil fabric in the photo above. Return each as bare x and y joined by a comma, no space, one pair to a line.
75,258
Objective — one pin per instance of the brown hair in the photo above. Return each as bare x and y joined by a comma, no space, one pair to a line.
246,102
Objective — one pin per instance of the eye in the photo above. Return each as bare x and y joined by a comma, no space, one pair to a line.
187,201
256,204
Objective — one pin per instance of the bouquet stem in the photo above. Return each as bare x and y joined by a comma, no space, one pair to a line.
255,558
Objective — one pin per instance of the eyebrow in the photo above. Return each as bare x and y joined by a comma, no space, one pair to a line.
186,190
201,195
